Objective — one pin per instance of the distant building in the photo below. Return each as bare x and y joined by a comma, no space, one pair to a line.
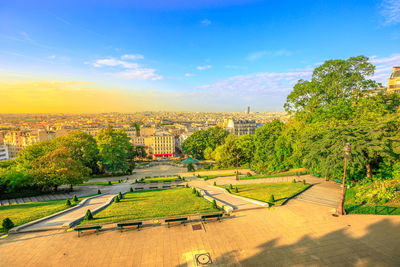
394,81
240,127
161,145
247,110
4,152
18,140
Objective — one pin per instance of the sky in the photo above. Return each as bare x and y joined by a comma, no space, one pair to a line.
178,55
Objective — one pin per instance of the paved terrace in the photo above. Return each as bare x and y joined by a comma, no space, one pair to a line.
297,234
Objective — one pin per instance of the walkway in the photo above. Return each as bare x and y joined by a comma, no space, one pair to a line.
322,192
296,234
93,204
238,203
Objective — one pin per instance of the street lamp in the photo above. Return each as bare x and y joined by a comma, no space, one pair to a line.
347,151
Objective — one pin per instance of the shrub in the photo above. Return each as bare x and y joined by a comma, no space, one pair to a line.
75,198
116,199
304,181
236,189
214,203
190,167
294,181
197,193
248,174
68,202
230,186
179,177
215,183
7,224
119,181
131,190
271,199
88,215
187,185
109,183
194,190
98,191
120,196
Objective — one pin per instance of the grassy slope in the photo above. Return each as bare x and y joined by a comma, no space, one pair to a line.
262,192
27,212
161,179
153,204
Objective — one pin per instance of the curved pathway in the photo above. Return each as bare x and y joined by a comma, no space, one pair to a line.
68,218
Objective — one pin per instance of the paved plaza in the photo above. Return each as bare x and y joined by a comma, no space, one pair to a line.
297,234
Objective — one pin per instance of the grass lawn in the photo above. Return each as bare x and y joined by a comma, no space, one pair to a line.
262,192
161,179
153,204
291,172
27,212
353,207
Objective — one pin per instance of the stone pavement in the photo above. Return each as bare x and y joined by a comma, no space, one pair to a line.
58,221
297,234
220,194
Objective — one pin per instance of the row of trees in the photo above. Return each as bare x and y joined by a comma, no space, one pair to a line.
69,159
328,111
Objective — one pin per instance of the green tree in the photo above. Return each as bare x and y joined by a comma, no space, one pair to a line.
114,149
196,144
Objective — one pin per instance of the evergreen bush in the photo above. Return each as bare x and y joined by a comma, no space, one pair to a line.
88,215
109,183
304,181
294,181
236,189
215,183
214,203
230,186
271,199
75,198
7,224
116,199
120,196
131,190
187,185
98,191
194,190
68,202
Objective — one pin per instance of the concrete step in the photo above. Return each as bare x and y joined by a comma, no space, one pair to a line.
19,200
52,197
12,201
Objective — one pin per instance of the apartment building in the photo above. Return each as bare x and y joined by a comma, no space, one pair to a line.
240,127
17,140
394,81
4,152
162,145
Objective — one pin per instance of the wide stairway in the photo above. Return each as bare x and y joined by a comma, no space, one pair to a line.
322,193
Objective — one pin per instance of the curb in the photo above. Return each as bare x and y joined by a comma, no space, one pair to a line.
264,204
225,207
17,229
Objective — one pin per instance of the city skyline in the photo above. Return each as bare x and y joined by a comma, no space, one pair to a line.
216,56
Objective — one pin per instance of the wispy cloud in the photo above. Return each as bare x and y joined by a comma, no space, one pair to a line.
384,67
391,11
132,70
133,56
189,74
260,54
205,22
204,67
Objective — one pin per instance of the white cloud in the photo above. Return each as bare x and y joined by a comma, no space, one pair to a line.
132,70
189,74
391,11
258,84
206,22
260,54
204,67
132,56
139,74
384,67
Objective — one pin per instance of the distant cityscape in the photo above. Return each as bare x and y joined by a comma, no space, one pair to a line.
161,133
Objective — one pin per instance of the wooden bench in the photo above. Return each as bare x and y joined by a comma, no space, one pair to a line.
179,185
183,220
153,187
166,186
210,216
338,181
84,228
139,188
153,182
124,224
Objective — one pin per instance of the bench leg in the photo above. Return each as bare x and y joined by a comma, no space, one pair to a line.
79,233
168,225
120,229
138,227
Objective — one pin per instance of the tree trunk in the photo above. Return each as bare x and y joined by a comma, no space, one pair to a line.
369,172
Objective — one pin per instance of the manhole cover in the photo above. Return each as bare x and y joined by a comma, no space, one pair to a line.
196,227
203,259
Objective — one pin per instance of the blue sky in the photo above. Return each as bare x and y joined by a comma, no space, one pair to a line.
188,55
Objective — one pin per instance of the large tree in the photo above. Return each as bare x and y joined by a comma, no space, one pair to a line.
114,149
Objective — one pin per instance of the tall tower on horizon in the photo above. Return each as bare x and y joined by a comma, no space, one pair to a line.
247,110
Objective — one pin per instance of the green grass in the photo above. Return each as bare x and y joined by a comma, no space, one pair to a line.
279,174
153,204
27,212
208,177
353,207
262,192
161,179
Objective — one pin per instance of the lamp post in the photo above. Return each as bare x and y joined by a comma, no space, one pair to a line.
347,151
237,167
